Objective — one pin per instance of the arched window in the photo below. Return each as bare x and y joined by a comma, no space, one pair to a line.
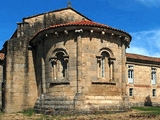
105,66
59,63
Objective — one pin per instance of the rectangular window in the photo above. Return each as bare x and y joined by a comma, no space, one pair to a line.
153,75
154,92
130,74
130,91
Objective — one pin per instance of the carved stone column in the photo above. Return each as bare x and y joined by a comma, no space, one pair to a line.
53,61
111,71
99,58
66,57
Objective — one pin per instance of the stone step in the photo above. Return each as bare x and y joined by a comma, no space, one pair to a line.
103,97
59,102
58,107
100,102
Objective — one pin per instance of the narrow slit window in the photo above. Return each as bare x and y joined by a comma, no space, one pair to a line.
130,91
154,92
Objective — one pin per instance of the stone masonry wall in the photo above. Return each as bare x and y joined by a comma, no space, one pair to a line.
22,85
36,23
29,72
20,88
80,91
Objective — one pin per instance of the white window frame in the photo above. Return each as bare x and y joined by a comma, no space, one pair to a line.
153,76
130,74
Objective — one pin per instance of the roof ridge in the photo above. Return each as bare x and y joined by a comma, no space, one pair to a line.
142,57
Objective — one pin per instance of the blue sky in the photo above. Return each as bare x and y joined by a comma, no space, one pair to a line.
140,18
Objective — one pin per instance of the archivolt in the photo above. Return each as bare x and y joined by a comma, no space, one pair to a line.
109,51
57,50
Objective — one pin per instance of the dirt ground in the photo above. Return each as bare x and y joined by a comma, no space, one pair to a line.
131,115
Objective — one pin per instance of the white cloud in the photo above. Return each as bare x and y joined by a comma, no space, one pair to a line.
150,3
145,43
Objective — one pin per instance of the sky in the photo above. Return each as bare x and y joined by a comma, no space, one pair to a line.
139,18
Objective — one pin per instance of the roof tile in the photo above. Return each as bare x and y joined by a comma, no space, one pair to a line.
142,57
78,23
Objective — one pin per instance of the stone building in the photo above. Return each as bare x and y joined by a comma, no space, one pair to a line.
143,84
62,61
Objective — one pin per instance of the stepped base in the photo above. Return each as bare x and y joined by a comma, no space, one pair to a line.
79,104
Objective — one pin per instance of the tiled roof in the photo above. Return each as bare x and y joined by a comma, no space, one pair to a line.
1,56
142,57
80,23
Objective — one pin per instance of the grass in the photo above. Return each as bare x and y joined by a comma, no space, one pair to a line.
28,112
148,110
1,112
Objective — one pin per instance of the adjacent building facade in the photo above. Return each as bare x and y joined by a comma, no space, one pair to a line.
143,85
62,61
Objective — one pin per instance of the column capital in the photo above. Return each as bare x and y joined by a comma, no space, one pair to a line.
99,57
53,59
66,57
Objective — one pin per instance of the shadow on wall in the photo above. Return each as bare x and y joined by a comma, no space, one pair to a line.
148,101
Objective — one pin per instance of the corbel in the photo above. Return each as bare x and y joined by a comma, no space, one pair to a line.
91,31
119,36
79,31
46,35
111,35
66,32
56,33
102,33
126,39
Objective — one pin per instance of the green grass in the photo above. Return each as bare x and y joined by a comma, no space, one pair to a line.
28,112
148,110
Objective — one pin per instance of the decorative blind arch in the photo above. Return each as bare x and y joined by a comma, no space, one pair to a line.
105,65
59,62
